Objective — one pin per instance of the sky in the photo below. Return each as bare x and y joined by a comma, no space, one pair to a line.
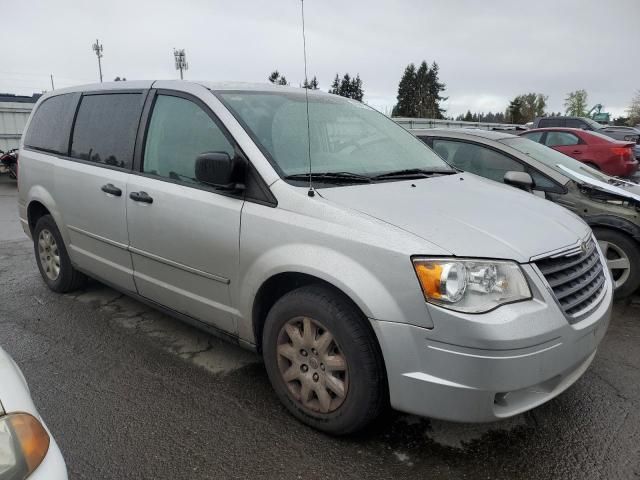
488,51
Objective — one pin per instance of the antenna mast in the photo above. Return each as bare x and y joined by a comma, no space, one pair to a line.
311,192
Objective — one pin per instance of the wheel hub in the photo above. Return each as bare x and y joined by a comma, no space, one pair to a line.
618,262
312,365
48,254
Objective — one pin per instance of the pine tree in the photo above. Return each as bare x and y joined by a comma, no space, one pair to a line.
514,111
419,92
335,86
406,106
356,88
277,79
435,87
345,86
468,117
312,85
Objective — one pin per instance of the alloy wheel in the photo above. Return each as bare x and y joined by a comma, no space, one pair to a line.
618,262
49,254
312,365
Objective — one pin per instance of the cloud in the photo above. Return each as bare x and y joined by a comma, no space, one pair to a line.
488,52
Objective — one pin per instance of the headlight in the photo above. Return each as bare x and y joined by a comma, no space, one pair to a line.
471,286
23,445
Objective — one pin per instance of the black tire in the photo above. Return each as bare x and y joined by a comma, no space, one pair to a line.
631,250
68,278
366,396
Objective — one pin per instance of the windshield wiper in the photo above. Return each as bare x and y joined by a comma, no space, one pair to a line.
330,177
412,173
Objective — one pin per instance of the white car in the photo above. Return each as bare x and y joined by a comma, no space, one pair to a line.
27,449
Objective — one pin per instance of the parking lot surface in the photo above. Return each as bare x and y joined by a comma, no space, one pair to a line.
131,393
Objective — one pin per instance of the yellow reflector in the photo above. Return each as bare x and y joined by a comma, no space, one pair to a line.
32,438
429,275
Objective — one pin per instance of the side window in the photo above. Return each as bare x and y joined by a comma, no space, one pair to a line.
535,136
51,123
550,122
105,128
179,131
477,159
560,139
542,182
575,123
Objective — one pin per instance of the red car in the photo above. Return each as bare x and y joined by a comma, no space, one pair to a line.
613,157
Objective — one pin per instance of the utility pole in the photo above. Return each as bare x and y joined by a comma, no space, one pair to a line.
181,60
98,49
52,87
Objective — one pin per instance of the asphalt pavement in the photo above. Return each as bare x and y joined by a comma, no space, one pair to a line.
130,393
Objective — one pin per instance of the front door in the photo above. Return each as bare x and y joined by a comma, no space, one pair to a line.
184,236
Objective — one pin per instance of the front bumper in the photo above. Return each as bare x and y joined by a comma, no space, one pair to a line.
491,366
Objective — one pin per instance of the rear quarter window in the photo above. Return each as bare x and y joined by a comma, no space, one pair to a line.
51,123
105,128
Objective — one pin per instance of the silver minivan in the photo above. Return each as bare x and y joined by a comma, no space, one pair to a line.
385,277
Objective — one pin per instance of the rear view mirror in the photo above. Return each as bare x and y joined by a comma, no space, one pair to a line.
220,170
521,180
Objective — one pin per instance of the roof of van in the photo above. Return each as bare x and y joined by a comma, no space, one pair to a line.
217,86
474,132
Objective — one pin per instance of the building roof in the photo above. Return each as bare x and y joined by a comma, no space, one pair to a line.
10,97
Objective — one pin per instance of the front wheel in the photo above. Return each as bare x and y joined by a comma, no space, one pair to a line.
623,260
323,360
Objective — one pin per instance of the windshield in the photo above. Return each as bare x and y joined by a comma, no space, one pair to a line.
552,158
593,124
345,135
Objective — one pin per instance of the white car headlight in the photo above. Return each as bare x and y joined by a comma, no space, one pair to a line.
470,285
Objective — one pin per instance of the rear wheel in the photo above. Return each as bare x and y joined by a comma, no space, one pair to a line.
323,360
52,257
623,260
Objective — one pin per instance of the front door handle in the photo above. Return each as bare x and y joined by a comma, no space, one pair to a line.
140,197
111,189
577,151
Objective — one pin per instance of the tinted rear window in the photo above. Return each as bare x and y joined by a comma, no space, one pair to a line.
51,123
105,128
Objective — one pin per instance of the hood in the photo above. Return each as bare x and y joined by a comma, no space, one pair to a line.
467,215
14,392
621,188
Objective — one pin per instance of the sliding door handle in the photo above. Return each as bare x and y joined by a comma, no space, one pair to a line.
140,197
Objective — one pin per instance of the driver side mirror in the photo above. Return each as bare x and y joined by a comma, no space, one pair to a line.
219,170
521,180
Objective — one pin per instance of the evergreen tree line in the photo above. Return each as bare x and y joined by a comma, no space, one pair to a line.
346,87
419,92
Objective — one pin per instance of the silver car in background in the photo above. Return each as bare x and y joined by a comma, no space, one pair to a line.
385,277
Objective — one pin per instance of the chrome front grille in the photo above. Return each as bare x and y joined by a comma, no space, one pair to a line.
577,278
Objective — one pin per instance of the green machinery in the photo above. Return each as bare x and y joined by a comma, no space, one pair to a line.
598,115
